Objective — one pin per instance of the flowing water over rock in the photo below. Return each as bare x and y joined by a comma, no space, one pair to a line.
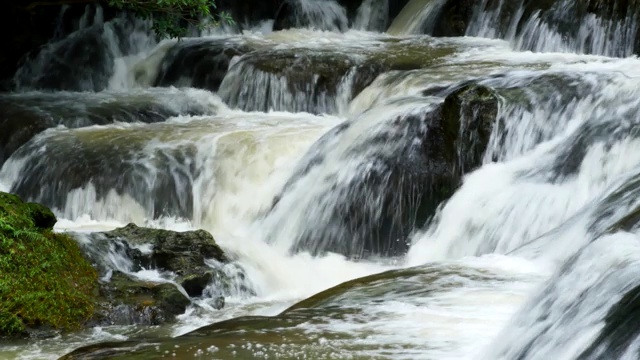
376,195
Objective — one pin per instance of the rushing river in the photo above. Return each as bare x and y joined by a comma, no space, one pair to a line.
533,257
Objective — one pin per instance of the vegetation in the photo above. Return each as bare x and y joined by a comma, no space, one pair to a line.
44,279
172,18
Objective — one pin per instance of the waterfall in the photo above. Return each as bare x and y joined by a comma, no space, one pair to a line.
556,26
86,59
315,14
418,16
378,195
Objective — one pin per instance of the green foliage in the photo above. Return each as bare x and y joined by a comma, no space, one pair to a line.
44,279
172,18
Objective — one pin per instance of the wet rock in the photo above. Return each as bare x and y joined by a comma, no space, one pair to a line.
198,63
23,116
83,60
616,19
124,300
400,172
454,18
183,253
287,81
471,112
78,159
316,80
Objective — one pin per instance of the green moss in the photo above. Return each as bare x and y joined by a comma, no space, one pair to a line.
44,279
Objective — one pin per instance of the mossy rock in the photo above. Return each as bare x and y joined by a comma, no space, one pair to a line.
45,281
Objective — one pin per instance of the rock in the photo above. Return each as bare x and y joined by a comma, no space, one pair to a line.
127,301
201,63
48,286
183,253
454,18
42,216
24,115
401,171
314,80
474,110
287,80
31,214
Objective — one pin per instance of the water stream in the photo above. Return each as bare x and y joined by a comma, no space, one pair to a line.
316,157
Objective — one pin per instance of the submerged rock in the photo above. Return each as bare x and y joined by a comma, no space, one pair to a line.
400,170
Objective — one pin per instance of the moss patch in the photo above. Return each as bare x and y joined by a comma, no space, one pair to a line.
44,279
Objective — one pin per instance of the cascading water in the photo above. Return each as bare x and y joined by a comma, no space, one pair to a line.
585,27
476,201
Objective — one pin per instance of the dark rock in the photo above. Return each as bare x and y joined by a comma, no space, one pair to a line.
183,253
454,18
40,216
471,112
23,116
84,59
286,80
309,80
392,192
198,63
76,158
126,301
80,62
219,302
34,26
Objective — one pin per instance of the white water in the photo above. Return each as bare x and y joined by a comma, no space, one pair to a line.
563,26
565,147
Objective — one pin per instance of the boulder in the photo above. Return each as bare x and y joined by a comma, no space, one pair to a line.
401,169
46,284
125,299
183,253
